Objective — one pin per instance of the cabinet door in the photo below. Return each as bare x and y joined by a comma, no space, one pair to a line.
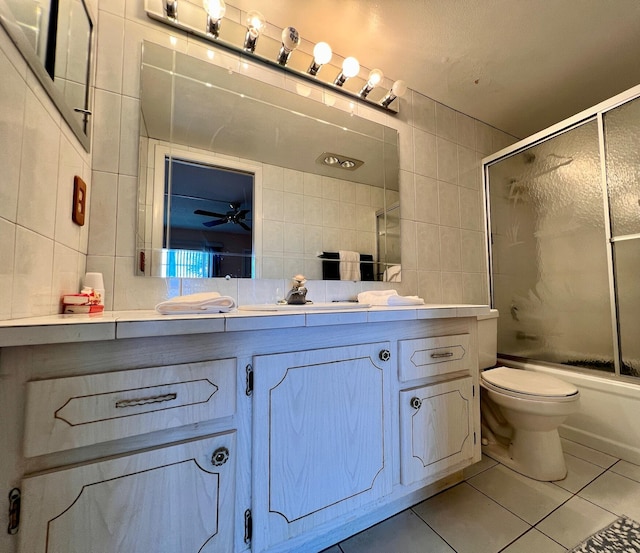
320,438
169,500
437,430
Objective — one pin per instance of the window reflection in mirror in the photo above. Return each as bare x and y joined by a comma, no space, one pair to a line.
307,211
207,220
55,38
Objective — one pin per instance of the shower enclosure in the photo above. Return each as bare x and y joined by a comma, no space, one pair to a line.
564,239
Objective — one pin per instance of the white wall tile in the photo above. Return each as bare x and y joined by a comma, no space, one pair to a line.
104,202
450,249
12,123
471,209
426,159
447,153
449,204
426,200
428,247
7,268
38,169
129,132
109,51
31,292
424,113
446,122
452,288
70,165
126,213
106,139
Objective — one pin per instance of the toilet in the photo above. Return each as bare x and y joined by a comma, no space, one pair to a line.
521,411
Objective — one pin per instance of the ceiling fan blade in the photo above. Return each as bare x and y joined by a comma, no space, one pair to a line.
208,213
244,226
242,214
215,223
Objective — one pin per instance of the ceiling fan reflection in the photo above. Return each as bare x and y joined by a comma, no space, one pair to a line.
235,216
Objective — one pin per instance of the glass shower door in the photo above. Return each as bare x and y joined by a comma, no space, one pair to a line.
549,251
622,156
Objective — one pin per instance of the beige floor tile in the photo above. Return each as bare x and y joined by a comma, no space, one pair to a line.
469,521
534,541
482,465
579,473
615,493
405,533
627,469
588,454
574,521
529,499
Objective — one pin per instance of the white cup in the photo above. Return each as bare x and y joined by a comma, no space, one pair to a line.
95,281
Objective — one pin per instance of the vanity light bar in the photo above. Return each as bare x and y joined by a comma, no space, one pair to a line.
255,23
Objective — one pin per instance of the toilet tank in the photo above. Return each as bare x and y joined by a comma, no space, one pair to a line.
488,339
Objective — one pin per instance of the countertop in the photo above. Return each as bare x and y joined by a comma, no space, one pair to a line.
116,325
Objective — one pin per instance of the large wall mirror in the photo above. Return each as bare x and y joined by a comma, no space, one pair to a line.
241,178
55,37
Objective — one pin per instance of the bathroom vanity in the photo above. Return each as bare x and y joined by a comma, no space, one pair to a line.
249,431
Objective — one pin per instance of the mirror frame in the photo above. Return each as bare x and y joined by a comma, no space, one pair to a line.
10,25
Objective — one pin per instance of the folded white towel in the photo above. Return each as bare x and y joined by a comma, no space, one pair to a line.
388,297
349,265
202,303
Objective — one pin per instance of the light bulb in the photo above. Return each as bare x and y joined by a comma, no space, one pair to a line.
399,88
215,8
215,12
350,67
290,41
255,23
375,78
321,54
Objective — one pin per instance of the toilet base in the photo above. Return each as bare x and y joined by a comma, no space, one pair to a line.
540,456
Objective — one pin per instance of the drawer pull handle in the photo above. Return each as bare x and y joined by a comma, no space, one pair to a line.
145,400
384,355
415,402
441,355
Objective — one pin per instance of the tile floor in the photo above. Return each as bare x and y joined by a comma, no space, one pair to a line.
498,510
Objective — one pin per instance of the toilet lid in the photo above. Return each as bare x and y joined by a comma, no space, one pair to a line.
528,382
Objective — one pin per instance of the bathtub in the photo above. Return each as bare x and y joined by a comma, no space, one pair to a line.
609,415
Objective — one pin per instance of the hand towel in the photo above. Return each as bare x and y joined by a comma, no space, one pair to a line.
349,265
388,297
203,303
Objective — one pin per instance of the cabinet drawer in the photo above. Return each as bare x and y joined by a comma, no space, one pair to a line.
433,356
64,413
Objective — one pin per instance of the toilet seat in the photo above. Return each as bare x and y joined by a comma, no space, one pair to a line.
528,385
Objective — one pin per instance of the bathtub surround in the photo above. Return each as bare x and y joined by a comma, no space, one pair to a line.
46,255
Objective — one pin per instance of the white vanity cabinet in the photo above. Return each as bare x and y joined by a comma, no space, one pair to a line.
321,438
246,432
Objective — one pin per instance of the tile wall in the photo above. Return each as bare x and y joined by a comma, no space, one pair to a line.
443,244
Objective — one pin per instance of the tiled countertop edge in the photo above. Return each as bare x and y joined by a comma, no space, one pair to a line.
113,325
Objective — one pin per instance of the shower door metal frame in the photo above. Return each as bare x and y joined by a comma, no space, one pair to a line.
596,112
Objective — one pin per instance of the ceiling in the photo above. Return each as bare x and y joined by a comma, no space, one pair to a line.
519,65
